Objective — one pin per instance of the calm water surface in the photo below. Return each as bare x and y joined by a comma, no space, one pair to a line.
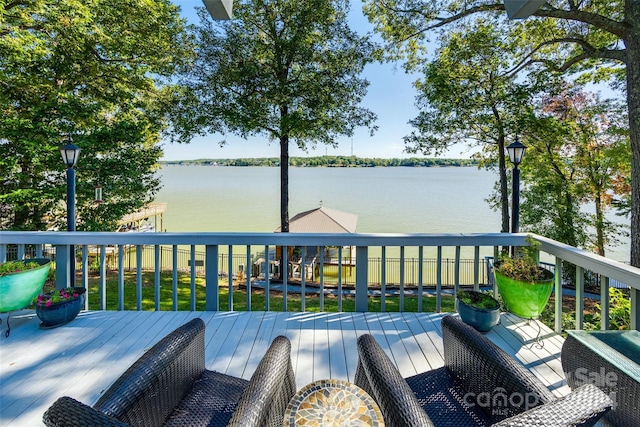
386,200
403,200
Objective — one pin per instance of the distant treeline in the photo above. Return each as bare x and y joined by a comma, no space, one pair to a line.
327,161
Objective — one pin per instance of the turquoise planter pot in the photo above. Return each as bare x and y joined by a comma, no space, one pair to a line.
526,300
17,290
482,319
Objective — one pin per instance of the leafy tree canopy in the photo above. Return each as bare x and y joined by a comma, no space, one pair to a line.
285,69
89,70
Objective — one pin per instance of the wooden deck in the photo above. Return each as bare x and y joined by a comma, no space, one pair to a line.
83,358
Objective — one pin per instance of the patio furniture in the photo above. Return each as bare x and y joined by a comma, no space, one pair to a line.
169,386
332,403
480,385
611,361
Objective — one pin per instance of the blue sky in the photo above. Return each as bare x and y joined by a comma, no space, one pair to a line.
390,95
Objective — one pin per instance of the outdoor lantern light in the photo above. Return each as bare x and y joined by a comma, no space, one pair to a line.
70,154
516,152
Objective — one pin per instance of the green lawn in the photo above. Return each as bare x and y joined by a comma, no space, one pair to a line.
312,303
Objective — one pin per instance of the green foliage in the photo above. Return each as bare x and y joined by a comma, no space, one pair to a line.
11,267
285,69
478,299
524,265
619,309
578,153
328,161
93,70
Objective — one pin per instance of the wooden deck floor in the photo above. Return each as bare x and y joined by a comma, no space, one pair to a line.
83,358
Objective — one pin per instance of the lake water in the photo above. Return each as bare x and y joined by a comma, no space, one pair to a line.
386,200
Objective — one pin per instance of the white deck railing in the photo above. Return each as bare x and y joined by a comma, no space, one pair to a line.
475,246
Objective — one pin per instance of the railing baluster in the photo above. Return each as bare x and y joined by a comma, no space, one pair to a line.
604,303
383,277
476,268
634,294
156,275
401,279
579,297
558,296
322,278
103,277
420,278
247,273
284,275
121,250
340,279
267,279
439,281
212,278
362,278
230,278
3,252
456,274
303,295
174,279
85,274
139,249
192,299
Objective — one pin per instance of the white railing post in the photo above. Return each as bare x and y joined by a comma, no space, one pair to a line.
212,283
362,278
558,296
62,266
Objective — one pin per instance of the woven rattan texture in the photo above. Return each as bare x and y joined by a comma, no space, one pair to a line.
443,394
168,385
582,366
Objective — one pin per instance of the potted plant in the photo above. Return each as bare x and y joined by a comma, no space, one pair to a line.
478,309
525,287
60,306
21,281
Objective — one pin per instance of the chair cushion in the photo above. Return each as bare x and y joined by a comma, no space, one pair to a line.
211,402
444,401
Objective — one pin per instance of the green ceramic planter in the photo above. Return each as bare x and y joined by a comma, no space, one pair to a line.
526,300
17,290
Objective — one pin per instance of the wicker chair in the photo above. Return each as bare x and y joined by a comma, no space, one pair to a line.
169,386
480,385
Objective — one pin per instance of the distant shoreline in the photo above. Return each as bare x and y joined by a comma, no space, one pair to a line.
327,161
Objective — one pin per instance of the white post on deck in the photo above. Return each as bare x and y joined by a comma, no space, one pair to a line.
362,278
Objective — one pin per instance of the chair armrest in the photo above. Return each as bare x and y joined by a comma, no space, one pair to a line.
270,389
378,376
482,367
154,385
583,407
67,412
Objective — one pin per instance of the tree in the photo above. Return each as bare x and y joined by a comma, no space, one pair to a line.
468,94
286,69
600,38
579,154
91,70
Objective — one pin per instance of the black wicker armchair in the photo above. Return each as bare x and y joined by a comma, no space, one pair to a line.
480,385
169,386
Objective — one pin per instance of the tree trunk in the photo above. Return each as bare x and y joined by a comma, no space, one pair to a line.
599,226
504,188
284,183
632,43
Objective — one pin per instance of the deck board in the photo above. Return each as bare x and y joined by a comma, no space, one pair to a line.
83,358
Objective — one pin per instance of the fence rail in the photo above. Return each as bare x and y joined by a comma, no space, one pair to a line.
381,261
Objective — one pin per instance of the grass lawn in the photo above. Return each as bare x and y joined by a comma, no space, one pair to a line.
312,302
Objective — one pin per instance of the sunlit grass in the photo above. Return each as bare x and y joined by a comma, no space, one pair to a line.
258,303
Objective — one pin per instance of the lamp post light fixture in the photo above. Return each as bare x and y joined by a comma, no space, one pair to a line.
516,152
70,154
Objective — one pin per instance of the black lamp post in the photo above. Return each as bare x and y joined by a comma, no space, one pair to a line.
70,154
516,152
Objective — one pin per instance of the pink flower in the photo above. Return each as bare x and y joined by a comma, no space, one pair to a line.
48,303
